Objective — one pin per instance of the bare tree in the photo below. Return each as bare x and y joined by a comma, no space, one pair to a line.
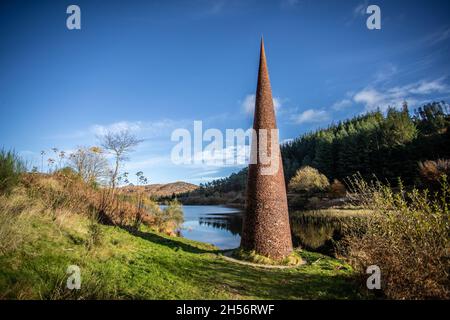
119,144
90,163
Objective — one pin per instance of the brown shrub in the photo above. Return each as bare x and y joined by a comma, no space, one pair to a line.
406,236
432,171
337,189
66,190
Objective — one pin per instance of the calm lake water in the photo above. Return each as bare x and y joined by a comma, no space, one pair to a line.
218,225
221,226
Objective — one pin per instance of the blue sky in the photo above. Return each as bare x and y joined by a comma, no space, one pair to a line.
154,66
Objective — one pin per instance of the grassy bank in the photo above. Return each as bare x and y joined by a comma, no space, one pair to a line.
148,265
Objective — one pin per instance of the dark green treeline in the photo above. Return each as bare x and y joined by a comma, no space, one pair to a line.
388,146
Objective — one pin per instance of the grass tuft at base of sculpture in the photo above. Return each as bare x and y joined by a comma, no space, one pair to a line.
292,260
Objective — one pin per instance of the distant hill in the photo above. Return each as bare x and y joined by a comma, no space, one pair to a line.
162,190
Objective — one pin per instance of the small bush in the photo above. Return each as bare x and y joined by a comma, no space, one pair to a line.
432,171
308,179
11,167
95,234
68,174
169,219
407,236
337,189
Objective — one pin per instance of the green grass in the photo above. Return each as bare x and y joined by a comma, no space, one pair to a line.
292,260
148,265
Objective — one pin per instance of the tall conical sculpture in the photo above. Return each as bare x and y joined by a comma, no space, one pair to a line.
266,228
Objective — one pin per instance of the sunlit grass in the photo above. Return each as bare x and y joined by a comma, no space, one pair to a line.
148,265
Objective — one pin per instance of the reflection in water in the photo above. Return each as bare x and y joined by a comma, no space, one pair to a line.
222,227
218,225
230,222
316,233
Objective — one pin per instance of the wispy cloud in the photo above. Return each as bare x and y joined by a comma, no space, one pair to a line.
207,179
101,130
342,104
357,12
385,73
230,156
148,129
373,98
311,116
205,173
248,104
360,9
438,36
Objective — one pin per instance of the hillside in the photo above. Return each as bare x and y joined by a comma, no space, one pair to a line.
40,239
162,190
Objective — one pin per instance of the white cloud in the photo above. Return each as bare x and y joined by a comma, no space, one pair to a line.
248,104
385,73
204,173
205,176
370,97
312,116
149,128
230,156
286,141
276,103
207,179
373,98
438,36
344,103
101,130
429,87
360,9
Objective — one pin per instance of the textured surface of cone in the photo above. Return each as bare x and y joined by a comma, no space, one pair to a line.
266,228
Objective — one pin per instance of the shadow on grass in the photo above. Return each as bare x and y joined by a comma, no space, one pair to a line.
239,281
174,244
243,282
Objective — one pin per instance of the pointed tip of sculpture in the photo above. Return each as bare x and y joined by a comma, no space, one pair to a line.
262,52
